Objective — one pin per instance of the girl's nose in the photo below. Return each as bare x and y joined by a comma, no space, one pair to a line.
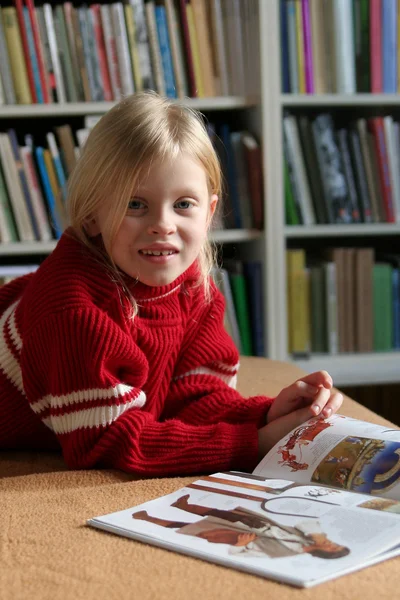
162,225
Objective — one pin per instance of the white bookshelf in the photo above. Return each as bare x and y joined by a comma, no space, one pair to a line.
327,100
346,369
358,229
356,369
98,108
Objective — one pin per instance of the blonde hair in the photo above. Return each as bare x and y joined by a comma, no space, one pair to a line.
139,130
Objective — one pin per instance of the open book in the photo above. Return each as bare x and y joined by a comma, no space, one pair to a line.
325,501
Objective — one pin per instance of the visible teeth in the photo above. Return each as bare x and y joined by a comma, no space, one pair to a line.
157,253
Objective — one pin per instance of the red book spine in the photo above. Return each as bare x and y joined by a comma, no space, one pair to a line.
188,49
36,37
377,128
101,49
375,44
24,38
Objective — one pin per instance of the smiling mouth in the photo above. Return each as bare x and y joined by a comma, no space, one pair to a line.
157,252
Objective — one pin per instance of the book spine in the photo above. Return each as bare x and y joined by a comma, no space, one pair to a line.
309,70
176,49
155,48
20,210
32,56
23,183
124,60
25,47
300,48
5,67
51,32
344,47
376,45
292,43
65,55
16,56
389,46
130,31
361,178
50,79
38,49
165,51
111,52
377,128
142,43
36,194
94,57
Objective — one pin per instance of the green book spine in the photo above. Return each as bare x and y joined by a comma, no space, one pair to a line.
292,217
365,79
382,307
7,211
66,61
239,292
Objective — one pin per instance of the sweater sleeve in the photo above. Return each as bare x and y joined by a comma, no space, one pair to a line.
203,388
84,378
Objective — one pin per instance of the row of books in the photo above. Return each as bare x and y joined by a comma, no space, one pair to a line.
241,283
340,46
103,52
348,300
336,174
33,180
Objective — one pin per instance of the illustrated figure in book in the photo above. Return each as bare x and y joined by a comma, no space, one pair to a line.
114,350
251,534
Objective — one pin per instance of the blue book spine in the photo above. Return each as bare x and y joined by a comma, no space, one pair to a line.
24,184
252,271
231,176
285,50
32,56
292,46
48,192
389,46
396,307
165,50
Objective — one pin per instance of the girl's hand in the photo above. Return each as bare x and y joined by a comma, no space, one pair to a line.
275,430
312,393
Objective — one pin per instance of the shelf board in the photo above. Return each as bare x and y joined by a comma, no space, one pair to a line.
361,229
355,369
235,235
85,108
28,248
340,100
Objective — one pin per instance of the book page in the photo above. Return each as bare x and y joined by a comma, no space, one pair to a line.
339,452
276,528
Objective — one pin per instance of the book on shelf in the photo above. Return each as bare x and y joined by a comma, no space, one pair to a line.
74,52
341,174
343,299
342,47
322,503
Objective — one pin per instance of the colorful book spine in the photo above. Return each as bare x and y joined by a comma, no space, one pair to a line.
32,55
308,56
375,22
389,46
55,220
165,50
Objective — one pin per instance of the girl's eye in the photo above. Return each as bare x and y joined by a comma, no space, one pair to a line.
183,204
135,204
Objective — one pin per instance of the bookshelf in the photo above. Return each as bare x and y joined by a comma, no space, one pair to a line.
261,112
346,368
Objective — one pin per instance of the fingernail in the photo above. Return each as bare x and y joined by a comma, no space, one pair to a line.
327,412
315,409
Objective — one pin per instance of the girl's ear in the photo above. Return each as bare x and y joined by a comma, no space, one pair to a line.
92,228
213,206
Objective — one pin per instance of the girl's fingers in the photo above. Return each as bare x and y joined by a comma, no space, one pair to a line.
326,403
335,402
319,378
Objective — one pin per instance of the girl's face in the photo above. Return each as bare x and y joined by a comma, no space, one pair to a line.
165,224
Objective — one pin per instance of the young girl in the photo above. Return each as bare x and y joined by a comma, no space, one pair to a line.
115,350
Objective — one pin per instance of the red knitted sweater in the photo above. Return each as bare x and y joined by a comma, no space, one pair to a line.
153,395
